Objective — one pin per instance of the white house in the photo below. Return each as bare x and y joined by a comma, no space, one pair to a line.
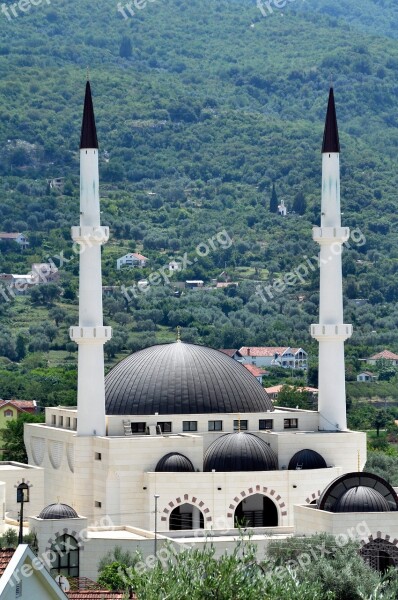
133,259
270,356
19,238
174,266
366,376
25,577
385,355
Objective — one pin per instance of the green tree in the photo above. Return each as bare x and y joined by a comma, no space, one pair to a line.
20,347
273,205
299,204
13,442
126,49
381,419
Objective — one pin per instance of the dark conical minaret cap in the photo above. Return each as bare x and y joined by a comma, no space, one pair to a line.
88,137
331,141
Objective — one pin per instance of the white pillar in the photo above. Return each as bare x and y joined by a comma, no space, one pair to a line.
331,332
90,335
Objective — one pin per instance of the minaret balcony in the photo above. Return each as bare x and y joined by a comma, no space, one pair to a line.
90,335
324,333
90,236
330,235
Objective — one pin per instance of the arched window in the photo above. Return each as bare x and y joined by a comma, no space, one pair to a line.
256,511
380,554
8,413
66,556
186,516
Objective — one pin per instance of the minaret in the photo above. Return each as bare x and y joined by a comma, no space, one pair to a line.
90,335
331,332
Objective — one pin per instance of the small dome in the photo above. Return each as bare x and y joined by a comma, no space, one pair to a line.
358,492
58,511
179,378
174,462
240,451
307,459
361,499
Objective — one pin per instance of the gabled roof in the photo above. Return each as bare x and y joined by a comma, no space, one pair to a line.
23,405
262,350
386,354
255,370
12,573
6,555
9,236
135,255
229,351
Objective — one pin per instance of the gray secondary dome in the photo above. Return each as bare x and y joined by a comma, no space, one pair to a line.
179,378
240,452
361,499
307,459
174,462
58,511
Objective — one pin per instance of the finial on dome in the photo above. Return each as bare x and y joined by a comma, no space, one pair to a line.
178,333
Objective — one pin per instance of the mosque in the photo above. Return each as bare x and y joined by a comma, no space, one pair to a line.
180,442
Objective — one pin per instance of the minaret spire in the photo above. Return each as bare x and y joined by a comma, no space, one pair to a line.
331,142
331,332
90,335
88,138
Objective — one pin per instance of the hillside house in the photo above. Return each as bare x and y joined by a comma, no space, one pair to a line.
194,284
133,259
386,356
366,377
269,356
19,238
258,373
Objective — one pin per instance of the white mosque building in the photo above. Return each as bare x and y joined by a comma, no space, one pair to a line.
179,441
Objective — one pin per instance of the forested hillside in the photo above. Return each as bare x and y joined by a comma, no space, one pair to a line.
201,106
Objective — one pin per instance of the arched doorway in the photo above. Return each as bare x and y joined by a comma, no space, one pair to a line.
380,554
186,516
65,559
256,511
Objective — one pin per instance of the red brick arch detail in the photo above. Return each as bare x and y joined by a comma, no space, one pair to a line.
314,496
187,499
258,489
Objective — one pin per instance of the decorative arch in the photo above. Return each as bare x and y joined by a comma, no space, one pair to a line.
258,489
187,499
65,531
380,552
314,497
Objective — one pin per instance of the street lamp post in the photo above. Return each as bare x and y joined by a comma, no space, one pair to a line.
156,524
22,497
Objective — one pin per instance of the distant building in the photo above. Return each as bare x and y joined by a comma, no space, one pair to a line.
57,183
227,284
11,409
44,273
365,376
19,238
258,373
174,266
269,356
194,284
274,391
385,355
233,353
41,273
133,259
282,209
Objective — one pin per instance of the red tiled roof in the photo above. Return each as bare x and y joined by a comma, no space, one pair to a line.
275,389
262,350
97,595
25,405
255,370
138,256
228,351
9,236
386,354
5,556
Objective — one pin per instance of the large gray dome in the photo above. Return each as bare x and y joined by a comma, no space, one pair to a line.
240,451
184,379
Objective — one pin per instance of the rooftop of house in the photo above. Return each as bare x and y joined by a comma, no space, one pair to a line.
136,255
9,236
25,405
386,354
262,350
275,389
6,555
256,371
